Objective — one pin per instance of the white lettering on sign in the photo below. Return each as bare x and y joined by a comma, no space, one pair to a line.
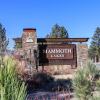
57,55
58,51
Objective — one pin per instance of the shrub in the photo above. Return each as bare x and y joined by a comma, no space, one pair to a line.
60,85
41,79
11,88
98,84
82,86
83,82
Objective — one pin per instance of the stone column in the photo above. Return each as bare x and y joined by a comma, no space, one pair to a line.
29,45
82,54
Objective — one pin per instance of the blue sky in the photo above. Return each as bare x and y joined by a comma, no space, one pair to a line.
80,17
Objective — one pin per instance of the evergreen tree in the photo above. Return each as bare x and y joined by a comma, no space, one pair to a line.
64,32
3,40
94,50
58,32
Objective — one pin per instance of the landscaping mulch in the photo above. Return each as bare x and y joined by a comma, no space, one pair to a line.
50,96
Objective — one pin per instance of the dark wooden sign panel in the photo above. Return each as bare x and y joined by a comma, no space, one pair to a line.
57,54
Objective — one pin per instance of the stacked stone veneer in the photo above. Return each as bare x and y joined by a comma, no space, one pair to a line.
57,69
29,45
82,55
29,34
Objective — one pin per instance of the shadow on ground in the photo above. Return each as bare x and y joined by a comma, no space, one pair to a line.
45,82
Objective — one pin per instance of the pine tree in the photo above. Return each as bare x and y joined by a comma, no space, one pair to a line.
64,32
3,40
58,32
94,50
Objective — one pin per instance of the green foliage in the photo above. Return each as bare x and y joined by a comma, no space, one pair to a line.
91,52
58,32
18,45
91,71
11,88
83,82
3,41
95,98
82,86
94,50
98,84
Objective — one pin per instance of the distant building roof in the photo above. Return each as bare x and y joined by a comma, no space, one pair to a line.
17,39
